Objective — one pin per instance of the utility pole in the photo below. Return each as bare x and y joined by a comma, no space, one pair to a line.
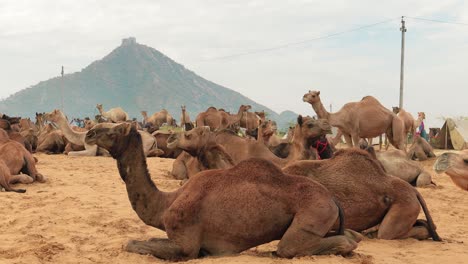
61,92
403,30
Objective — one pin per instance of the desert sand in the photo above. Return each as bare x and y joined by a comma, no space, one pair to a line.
82,215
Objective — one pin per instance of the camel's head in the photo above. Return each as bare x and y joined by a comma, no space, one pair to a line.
269,127
311,97
396,109
99,106
245,108
191,141
183,107
421,115
54,116
310,128
105,135
452,163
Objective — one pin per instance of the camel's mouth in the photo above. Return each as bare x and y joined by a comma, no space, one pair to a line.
304,98
172,141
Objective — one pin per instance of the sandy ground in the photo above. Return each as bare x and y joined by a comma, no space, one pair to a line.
82,215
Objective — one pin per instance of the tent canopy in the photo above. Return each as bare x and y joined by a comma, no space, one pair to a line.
454,133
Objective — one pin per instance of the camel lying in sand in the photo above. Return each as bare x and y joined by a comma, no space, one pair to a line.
18,160
78,138
420,149
239,148
198,218
396,163
454,165
114,115
370,197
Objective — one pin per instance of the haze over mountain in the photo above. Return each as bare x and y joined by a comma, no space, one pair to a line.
135,77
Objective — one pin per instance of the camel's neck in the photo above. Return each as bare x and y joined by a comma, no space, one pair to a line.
74,137
183,117
320,110
148,202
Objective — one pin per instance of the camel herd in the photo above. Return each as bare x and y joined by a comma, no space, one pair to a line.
242,184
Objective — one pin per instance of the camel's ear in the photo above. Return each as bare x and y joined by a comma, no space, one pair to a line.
318,92
122,129
299,120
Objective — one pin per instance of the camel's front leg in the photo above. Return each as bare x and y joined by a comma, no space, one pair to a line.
348,139
90,150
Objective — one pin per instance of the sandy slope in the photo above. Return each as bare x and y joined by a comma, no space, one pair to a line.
82,215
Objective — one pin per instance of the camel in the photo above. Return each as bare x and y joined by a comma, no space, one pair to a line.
157,119
454,165
370,197
420,149
213,118
396,163
239,117
367,118
185,122
17,159
161,137
198,217
78,138
238,148
114,115
408,120
14,135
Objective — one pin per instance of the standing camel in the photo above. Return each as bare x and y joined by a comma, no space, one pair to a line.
198,217
185,122
367,118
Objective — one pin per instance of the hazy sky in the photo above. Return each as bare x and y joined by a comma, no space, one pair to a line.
37,37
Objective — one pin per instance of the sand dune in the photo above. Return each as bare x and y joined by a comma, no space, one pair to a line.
82,215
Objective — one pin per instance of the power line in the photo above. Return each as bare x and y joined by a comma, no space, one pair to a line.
438,21
300,42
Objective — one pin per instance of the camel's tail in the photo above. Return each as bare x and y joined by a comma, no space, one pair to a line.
431,226
341,217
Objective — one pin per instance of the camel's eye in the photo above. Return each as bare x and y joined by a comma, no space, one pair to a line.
466,161
188,136
310,125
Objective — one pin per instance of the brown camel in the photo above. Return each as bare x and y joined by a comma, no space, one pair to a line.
185,122
157,119
454,165
15,135
50,140
367,118
213,118
17,159
420,149
161,137
197,218
236,119
408,120
239,148
114,115
370,197
396,163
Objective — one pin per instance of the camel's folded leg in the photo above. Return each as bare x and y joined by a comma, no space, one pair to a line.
21,178
160,248
398,222
424,180
304,237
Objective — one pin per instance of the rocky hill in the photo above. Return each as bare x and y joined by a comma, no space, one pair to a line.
135,77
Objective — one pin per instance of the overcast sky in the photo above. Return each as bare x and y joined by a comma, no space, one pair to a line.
37,37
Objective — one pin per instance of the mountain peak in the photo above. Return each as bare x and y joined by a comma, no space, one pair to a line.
128,41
